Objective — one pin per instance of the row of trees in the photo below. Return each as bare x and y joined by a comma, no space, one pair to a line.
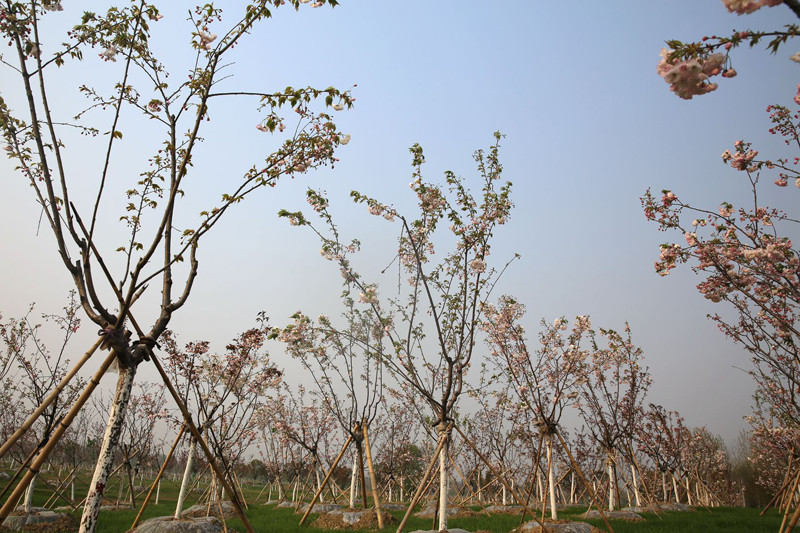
297,432
744,254
424,334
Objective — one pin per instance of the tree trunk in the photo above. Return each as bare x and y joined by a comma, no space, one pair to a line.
550,479
105,459
572,487
353,482
187,473
636,487
28,502
319,485
675,489
443,486
612,489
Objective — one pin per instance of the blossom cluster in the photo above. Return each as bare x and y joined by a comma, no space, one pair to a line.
689,77
744,7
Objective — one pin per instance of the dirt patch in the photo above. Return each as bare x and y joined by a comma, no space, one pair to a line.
368,521
64,524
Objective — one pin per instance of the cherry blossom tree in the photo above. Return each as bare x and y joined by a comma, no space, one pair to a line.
661,437
346,367
224,392
398,458
544,381
157,241
746,258
744,254
443,300
38,372
302,420
611,397
689,67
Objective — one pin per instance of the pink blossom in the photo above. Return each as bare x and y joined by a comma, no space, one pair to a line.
478,265
206,39
109,54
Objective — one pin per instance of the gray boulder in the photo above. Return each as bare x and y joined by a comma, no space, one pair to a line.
168,524
322,508
613,515
38,515
287,504
450,530
558,527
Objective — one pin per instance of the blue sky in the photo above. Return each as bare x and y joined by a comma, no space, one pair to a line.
589,127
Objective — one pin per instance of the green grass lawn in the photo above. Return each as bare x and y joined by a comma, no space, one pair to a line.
269,519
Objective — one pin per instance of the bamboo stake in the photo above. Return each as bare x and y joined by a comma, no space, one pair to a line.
788,503
62,483
372,479
187,417
501,478
466,484
778,495
536,468
422,484
33,469
240,489
47,401
325,481
361,480
158,477
650,497
588,487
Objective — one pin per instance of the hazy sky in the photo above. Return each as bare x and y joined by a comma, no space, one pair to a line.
589,127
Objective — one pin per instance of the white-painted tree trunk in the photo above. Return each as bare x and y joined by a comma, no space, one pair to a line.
158,490
505,500
443,485
105,460
319,485
539,487
612,488
294,491
688,491
353,482
28,501
572,487
675,489
402,491
636,494
664,484
550,480
187,473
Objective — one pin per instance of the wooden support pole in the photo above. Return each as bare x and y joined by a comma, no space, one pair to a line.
423,482
158,477
500,478
532,477
585,482
44,453
327,477
373,480
187,417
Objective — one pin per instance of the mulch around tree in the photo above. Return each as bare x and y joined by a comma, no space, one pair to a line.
560,525
64,524
368,521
